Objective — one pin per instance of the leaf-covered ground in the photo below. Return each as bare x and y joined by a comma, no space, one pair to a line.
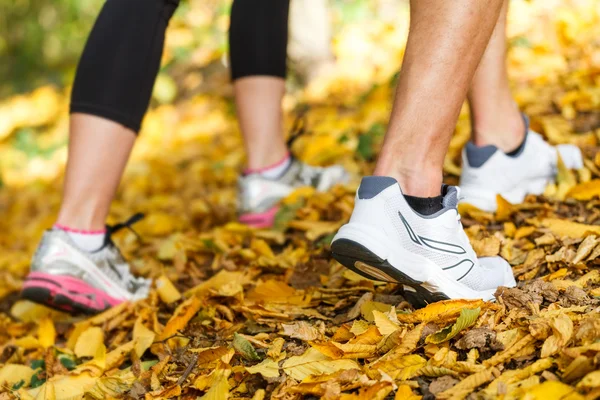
243,313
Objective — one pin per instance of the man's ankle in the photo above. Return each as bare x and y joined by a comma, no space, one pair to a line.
506,130
416,182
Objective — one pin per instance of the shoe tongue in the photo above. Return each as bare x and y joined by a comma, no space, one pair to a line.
450,199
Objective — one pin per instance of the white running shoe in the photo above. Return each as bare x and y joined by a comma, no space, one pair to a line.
259,197
488,171
430,255
66,278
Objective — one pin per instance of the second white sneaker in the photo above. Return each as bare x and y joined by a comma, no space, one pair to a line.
430,256
488,171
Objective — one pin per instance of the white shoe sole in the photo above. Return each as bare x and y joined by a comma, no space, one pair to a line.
367,252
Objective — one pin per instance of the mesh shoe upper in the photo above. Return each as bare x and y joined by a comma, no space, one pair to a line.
104,269
258,194
384,222
487,171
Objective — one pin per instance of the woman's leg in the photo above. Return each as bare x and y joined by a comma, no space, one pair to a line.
77,267
110,96
258,43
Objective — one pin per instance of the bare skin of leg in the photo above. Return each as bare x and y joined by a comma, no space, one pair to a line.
495,117
98,152
445,45
258,102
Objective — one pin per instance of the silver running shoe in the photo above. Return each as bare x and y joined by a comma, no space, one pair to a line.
69,279
259,197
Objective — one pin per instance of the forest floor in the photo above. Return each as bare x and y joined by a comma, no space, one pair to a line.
243,313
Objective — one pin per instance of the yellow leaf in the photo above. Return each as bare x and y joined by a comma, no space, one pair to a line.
316,229
267,368
259,394
504,209
565,228
469,210
359,326
509,229
313,362
220,279
383,323
114,386
302,330
486,247
550,390
403,367
11,374
586,190
27,342
219,387
167,292
143,337
65,387
28,311
115,357
524,231
274,291
585,248
407,345
158,224
89,342
262,248
367,308
299,194
590,381
467,385
182,315
439,311
46,332
405,392
370,336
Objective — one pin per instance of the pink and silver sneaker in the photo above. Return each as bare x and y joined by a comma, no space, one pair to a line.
259,196
69,279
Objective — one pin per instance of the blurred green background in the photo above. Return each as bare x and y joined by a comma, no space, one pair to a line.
40,41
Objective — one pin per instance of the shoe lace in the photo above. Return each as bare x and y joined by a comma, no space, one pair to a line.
111,229
121,267
299,125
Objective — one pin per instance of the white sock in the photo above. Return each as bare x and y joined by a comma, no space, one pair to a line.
86,240
274,171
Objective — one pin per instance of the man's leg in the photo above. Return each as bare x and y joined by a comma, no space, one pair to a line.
504,157
495,116
445,45
404,224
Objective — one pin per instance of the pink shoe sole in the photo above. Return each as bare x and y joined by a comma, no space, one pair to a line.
260,220
66,293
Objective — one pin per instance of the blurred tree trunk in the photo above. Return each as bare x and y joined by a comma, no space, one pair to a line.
309,46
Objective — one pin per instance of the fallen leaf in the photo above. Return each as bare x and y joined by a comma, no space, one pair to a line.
267,368
466,319
89,342
244,348
313,362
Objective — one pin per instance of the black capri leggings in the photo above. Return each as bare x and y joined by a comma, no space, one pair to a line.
122,55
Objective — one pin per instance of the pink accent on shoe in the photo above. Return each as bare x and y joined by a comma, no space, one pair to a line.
75,290
249,171
260,220
81,231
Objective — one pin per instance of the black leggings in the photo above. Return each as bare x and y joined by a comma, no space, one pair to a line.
121,58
